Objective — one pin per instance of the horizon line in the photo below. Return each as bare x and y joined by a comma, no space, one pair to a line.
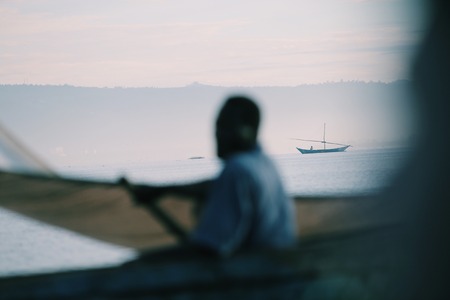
197,84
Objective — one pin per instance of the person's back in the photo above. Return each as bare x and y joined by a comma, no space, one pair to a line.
247,206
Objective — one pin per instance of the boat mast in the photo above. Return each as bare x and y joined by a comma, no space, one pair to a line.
323,141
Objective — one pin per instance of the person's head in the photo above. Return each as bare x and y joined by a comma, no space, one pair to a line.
237,126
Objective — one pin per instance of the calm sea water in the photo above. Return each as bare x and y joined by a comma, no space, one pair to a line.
28,246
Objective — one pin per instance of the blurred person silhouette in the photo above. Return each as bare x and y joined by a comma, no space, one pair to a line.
246,206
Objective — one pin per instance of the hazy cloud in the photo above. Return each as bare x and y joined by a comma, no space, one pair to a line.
167,43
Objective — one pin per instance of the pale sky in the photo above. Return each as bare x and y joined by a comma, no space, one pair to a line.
166,43
169,43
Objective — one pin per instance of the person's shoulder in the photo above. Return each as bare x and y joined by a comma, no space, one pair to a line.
245,161
238,161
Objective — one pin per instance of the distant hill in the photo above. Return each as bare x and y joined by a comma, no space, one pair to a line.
74,125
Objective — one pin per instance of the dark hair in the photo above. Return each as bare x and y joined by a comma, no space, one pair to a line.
237,126
244,111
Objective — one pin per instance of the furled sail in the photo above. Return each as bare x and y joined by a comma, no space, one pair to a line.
104,211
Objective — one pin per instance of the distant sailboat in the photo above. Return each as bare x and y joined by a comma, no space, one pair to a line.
324,142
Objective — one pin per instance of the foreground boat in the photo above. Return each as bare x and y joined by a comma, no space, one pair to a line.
337,242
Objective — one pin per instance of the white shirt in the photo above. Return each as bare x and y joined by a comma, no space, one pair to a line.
247,207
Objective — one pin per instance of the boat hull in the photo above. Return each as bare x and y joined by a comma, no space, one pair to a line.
295,273
309,151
